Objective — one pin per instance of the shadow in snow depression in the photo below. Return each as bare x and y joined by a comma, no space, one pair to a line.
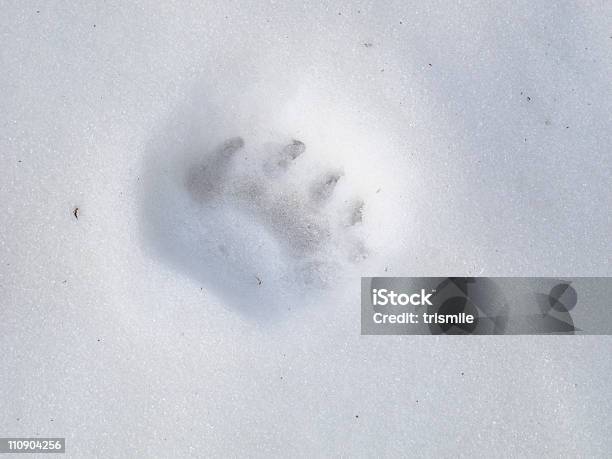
259,222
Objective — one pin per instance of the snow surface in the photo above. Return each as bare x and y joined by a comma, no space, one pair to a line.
476,135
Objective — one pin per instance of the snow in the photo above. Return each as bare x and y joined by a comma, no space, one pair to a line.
477,136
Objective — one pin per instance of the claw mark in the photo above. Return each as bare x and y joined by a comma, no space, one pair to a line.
203,180
357,214
229,147
324,189
290,153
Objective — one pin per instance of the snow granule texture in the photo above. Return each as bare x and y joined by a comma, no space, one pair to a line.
237,166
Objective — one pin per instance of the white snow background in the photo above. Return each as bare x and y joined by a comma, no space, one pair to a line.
477,133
